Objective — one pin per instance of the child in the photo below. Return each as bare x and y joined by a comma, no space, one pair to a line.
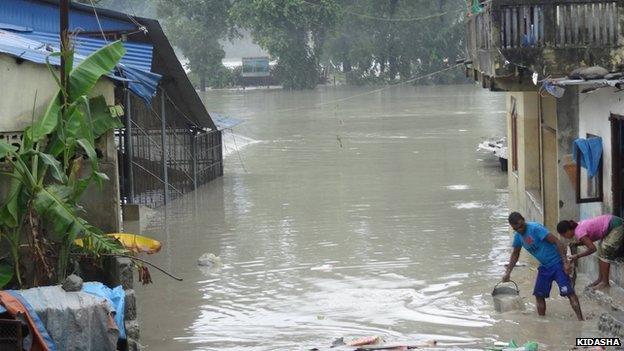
608,229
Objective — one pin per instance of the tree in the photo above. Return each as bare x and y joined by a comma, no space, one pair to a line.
196,27
132,7
386,40
292,31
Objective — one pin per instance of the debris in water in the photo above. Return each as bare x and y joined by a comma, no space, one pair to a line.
209,260
338,342
387,347
367,340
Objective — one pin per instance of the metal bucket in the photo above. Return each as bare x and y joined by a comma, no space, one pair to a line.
507,298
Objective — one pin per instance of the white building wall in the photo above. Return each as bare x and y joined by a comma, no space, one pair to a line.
594,111
26,85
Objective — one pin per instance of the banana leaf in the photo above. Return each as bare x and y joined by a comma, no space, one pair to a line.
82,79
6,274
101,118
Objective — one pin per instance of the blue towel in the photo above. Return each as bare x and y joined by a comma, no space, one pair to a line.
116,297
591,153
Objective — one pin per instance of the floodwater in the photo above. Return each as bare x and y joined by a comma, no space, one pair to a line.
371,215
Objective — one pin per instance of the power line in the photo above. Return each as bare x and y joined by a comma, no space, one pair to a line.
97,18
410,80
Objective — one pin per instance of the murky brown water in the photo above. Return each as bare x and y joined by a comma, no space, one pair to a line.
370,216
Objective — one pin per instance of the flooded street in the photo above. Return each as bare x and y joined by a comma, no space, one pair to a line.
348,217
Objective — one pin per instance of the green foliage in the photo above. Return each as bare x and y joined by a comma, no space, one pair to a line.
47,181
6,274
293,31
196,27
386,40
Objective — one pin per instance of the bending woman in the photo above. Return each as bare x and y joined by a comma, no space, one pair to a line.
609,230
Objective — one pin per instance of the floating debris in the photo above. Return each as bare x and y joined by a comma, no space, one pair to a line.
209,260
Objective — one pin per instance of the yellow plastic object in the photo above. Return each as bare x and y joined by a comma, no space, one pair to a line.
133,242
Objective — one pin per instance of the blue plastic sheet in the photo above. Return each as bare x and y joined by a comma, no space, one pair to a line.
117,299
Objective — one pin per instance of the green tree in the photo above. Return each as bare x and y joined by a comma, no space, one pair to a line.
386,40
132,7
196,27
292,31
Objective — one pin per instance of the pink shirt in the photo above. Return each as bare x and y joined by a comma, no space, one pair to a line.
595,228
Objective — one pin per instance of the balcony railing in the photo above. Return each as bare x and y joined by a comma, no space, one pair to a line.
550,37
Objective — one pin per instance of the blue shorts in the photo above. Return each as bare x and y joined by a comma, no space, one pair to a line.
545,277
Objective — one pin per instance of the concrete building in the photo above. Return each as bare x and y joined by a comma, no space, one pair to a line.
530,48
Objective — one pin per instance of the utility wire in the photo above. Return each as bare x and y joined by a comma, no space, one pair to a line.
370,91
97,18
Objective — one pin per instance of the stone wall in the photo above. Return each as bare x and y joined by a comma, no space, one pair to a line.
120,272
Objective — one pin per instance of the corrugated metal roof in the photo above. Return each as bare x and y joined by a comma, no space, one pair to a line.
142,82
138,55
44,17
39,21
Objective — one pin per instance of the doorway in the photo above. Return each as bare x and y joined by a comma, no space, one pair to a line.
617,163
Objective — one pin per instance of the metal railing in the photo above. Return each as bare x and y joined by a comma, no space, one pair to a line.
594,24
163,154
571,32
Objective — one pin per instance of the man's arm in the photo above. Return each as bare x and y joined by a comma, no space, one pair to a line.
513,259
563,251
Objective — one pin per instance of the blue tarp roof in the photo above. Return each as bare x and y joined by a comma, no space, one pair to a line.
224,122
142,83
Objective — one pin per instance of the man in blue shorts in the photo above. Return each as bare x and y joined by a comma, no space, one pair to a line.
551,254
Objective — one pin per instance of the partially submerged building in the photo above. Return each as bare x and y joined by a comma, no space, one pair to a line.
169,145
532,49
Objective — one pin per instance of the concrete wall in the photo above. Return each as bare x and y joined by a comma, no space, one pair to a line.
567,131
549,154
525,184
594,112
25,85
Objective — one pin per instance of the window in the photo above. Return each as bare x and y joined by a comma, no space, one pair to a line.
588,189
514,135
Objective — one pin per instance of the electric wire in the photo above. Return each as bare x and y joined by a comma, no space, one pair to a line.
97,18
389,86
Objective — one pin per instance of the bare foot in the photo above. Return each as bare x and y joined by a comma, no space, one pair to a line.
596,282
601,285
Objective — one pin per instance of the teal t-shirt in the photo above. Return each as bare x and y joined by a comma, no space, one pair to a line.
534,241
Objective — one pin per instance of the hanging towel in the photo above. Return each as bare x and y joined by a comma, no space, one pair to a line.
591,152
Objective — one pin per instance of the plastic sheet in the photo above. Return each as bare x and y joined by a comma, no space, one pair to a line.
74,320
116,297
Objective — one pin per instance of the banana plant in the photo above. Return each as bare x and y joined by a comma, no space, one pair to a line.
41,211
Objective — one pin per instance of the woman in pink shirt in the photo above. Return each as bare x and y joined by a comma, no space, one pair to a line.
606,228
